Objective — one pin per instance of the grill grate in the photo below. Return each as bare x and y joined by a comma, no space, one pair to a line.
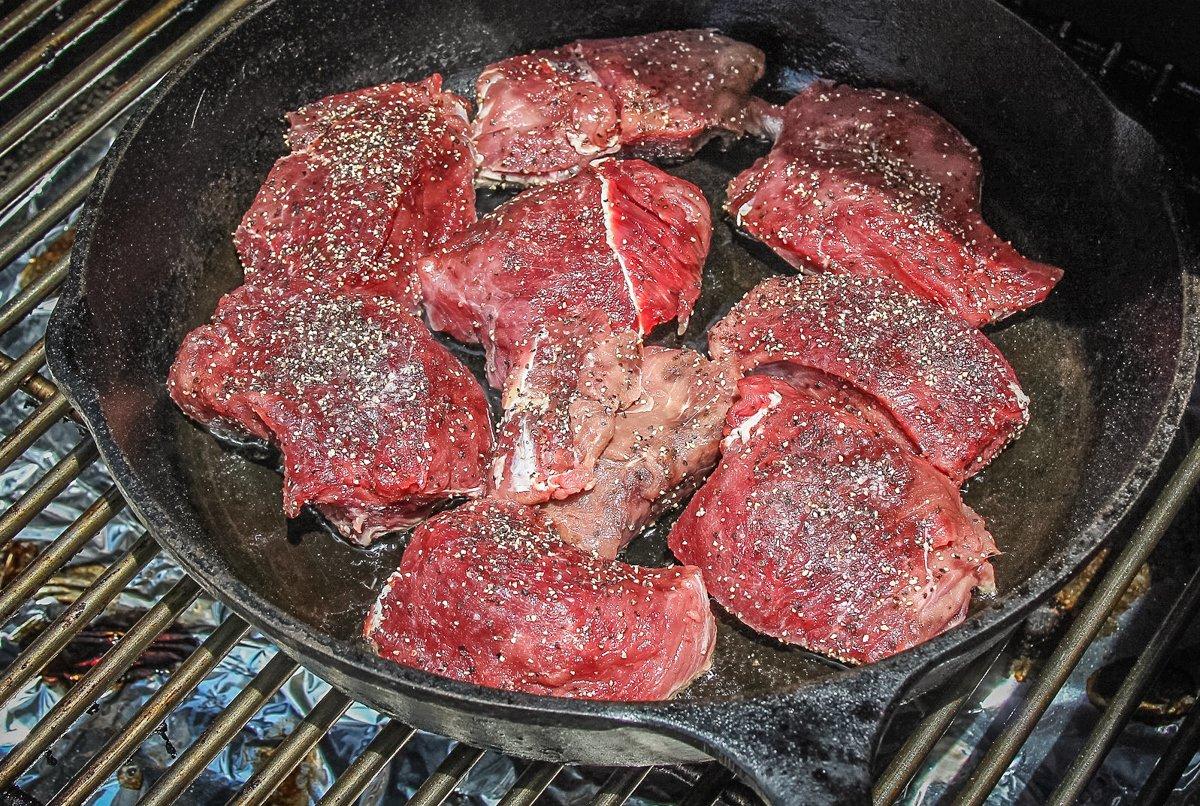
75,69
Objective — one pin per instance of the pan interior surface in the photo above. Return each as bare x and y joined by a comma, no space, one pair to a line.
1068,179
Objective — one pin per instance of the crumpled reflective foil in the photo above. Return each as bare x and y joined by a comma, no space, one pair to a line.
233,766
1029,780
1065,727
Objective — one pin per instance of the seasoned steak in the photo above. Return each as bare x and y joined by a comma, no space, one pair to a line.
871,183
489,594
378,424
559,284
946,386
821,530
375,179
662,445
545,115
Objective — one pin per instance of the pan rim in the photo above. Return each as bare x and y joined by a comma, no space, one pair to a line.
311,645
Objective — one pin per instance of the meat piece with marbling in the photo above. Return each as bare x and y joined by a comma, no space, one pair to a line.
559,285
824,531
871,183
375,179
662,446
378,424
946,386
544,115
489,594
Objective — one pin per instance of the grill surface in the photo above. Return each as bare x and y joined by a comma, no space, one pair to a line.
68,73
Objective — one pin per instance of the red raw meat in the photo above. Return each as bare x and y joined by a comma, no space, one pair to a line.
947,387
822,531
661,447
599,259
544,115
489,594
560,410
377,422
873,184
375,179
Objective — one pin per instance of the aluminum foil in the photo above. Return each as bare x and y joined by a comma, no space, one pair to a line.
1065,728
233,766
1029,780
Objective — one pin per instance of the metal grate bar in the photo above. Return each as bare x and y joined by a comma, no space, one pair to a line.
182,681
620,786
1161,783
51,558
1112,721
1165,76
22,372
912,754
200,753
1083,629
60,632
32,428
35,385
1110,60
1159,80
447,776
89,688
22,19
40,224
33,294
383,748
16,373
532,783
116,103
35,499
55,98
61,38
708,786
292,750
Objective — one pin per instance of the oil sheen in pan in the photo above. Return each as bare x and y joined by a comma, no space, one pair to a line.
237,490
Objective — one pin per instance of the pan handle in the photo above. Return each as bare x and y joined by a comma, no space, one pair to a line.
812,745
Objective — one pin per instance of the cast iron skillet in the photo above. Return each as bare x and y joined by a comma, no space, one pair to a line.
1107,361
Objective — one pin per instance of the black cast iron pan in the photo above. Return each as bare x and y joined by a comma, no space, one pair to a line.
1107,361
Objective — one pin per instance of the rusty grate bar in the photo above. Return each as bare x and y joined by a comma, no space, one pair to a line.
293,749
35,385
63,548
37,497
33,294
51,410
89,604
18,371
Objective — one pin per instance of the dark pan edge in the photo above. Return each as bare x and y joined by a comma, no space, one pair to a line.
438,693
